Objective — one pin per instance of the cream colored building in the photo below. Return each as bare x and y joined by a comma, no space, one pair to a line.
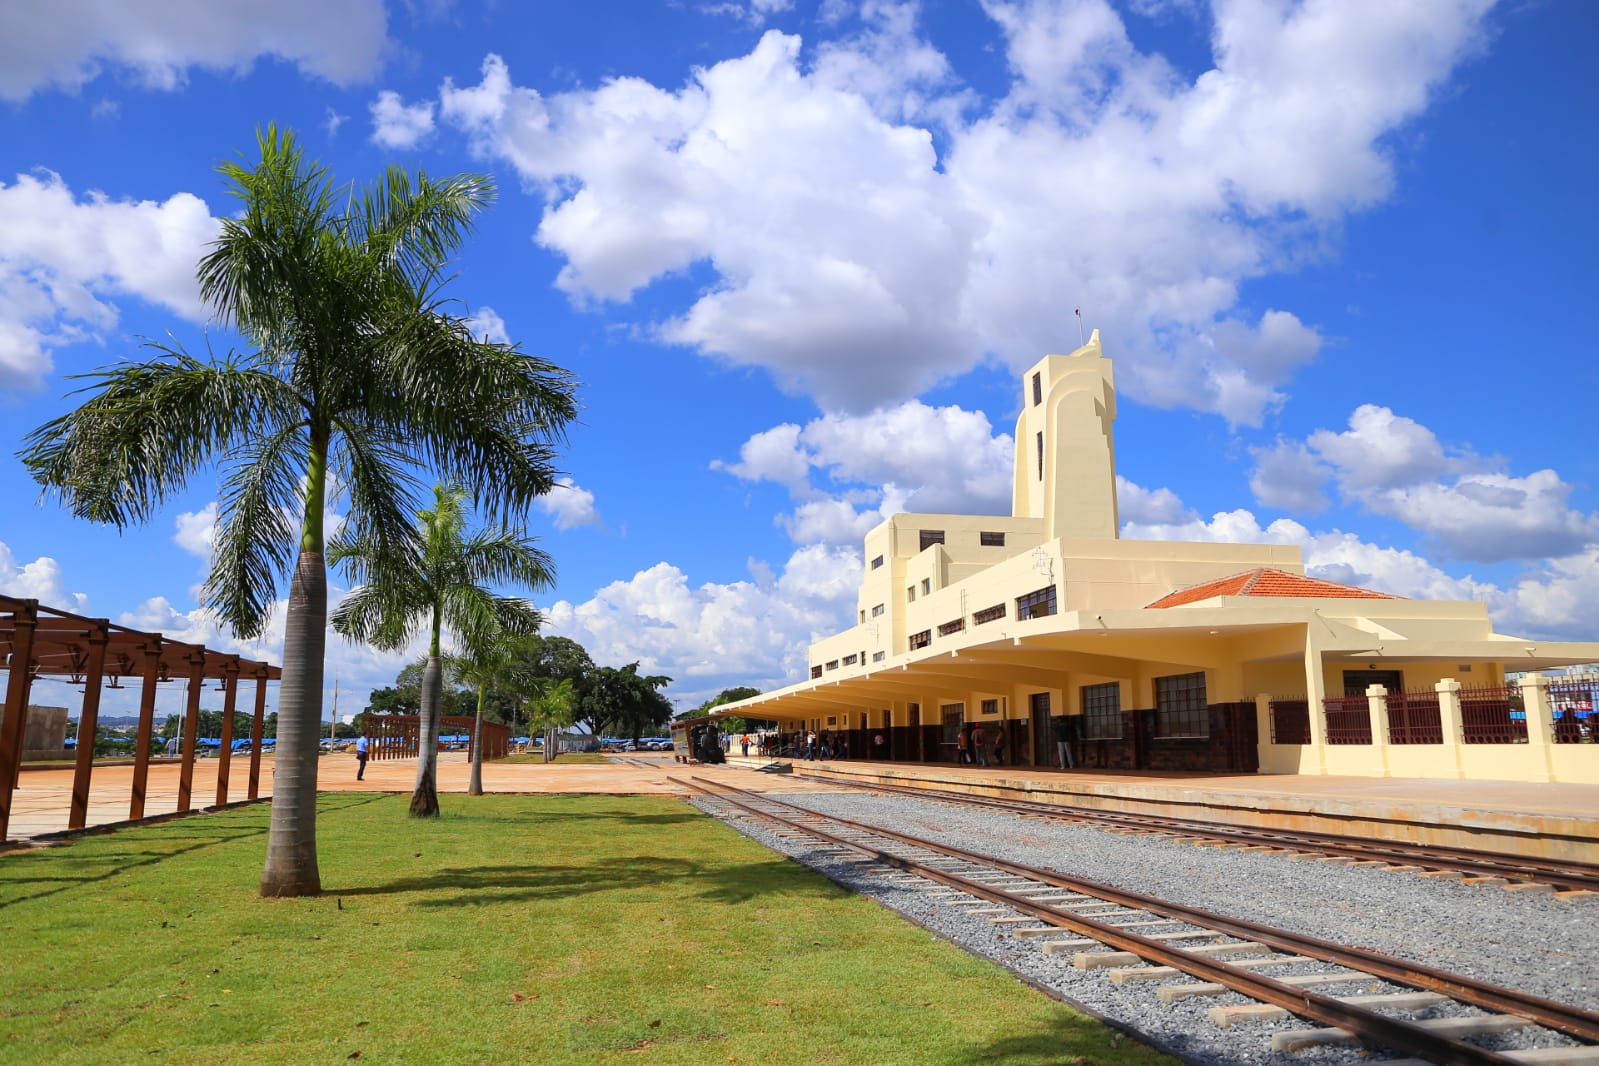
1044,624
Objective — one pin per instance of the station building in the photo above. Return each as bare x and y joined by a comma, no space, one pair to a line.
1085,649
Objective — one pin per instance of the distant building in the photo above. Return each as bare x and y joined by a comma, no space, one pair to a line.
1044,625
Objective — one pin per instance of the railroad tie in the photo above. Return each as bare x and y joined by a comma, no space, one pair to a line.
1173,993
1059,947
1152,973
1297,1039
1534,887
1226,1017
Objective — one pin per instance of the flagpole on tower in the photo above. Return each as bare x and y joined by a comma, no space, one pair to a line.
1079,313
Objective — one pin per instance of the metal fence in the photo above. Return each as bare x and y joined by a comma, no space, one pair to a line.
1348,719
1492,714
1290,721
1413,718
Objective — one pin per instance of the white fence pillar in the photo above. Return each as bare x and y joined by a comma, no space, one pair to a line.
1540,723
1450,718
1377,705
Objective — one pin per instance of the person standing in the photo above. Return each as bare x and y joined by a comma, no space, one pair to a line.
744,742
980,745
362,747
999,744
963,751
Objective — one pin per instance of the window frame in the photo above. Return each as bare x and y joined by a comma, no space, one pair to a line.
1182,709
1102,710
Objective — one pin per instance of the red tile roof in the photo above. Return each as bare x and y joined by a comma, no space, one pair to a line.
1264,581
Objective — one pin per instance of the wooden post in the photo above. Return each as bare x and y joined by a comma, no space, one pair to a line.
191,729
225,756
88,723
19,680
141,754
257,726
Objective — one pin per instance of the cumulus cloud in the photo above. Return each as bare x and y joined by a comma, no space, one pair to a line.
68,43
197,531
716,635
396,124
487,325
39,580
1391,465
64,258
873,226
849,472
570,505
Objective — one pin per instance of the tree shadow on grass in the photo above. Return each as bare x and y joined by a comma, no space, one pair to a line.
115,864
472,886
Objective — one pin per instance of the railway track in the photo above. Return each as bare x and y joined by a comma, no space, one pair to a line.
1138,938
1516,872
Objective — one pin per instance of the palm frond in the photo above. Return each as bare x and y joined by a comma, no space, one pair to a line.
499,556
255,541
146,428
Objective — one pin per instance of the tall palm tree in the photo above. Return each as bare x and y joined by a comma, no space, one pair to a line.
359,375
444,584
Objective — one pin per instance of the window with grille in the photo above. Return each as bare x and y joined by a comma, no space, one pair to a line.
991,540
922,639
953,715
1036,604
989,614
816,671
931,537
876,611
877,656
877,562
850,660
990,706
1038,389
952,627
1180,709
1102,711
833,665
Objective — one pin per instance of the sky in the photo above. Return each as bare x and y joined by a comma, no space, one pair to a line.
1342,254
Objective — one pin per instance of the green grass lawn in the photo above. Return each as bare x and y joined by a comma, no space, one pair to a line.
515,929
533,758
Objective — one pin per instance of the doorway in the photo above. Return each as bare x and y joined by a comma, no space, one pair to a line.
1043,734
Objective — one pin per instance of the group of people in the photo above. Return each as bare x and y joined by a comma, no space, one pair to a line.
978,745
809,744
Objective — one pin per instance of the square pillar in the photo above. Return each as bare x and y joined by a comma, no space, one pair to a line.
88,723
1316,705
1453,725
1377,702
1540,722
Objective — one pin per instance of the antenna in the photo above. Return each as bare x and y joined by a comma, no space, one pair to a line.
1079,313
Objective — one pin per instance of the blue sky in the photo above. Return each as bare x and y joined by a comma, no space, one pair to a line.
1342,254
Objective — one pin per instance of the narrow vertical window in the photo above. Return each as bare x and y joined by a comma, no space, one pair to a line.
1041,456
1038,389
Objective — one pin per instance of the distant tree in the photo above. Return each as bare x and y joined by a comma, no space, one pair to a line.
552,706
624,701
444,581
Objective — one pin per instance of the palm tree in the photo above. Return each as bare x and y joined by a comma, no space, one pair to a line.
445,584
359,375
552,704
492,662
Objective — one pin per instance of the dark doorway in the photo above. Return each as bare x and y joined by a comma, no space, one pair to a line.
1043,735
1356,681
915,710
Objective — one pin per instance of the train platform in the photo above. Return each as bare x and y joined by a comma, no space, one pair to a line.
1554,820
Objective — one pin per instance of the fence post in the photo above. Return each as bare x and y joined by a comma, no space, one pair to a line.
1540,723
1451,722
1377,708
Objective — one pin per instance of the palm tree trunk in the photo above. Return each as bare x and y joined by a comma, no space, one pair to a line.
425,798
476,787
291,867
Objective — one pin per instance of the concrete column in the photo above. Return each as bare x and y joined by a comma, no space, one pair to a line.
1377,702
1449,718
1540,723
1263,745
1316,697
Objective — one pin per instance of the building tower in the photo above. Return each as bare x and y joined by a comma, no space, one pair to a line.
1065,454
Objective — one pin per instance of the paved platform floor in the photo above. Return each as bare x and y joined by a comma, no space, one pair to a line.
1556,820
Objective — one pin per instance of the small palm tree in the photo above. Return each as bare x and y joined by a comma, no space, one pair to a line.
359,376
552,705
491,662
443,583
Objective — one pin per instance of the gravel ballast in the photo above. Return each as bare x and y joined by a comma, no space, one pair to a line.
1529,941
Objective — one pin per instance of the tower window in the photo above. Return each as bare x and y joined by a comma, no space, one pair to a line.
931,537
1041,456
1038,389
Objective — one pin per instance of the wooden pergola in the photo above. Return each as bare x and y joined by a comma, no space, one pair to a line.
38,641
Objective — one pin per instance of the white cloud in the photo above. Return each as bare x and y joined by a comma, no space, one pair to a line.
68,43
860,264
38,580
1391,465
396,124
715,636
1140,506
570,505
63,259
487,325
197,531
849,472
332,120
